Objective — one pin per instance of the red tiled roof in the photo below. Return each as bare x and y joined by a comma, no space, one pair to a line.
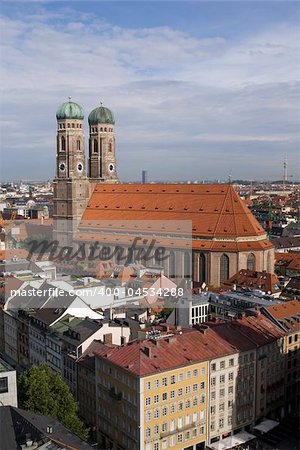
215,210
290,260
252,279
288,313
248,332
190,347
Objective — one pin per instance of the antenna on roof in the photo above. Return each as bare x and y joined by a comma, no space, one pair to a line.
69,98
101,103
229,179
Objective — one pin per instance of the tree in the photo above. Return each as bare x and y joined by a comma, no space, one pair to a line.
43,391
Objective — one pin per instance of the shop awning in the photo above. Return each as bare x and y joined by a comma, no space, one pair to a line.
266,425
232,441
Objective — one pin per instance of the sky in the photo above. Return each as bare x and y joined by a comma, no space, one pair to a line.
199,90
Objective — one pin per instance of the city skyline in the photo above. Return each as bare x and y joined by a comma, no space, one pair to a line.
210,88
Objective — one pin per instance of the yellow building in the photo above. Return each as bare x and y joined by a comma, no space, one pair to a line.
153,395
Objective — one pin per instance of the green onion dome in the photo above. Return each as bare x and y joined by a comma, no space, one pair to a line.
101,115
70,110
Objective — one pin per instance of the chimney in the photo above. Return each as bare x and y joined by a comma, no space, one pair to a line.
203,329
171,339
107,338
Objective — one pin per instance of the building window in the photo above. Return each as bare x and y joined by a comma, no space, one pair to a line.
156,413
230,376
224,268
187,389
156,446
180,438
156,398
156,383
172,269
148,432
202,268
251,262
148,416
221,423
165,411
213,367
3,385
187,265
172,394
110,147
148,385
180,392
148,401
164,427
173,379
156,429
231,362
222,378
63,144
96,149
164,396
78,144
164,381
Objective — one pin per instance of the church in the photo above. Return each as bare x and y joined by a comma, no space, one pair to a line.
224,235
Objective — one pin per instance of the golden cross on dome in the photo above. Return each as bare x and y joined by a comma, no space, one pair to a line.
69,98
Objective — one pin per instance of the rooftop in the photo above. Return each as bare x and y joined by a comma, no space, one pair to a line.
143,358
214,211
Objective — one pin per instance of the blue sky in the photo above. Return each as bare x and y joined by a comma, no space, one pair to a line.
200,90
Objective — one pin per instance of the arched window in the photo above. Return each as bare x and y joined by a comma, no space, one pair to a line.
251,262
224,268
110,147
63,143
172,264
95,146
78,144
187,264
202,268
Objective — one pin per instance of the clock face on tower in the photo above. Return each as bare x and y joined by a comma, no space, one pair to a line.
62,167
111,167
80,167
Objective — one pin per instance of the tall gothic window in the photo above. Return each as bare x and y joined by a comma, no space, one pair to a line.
63,143
187,264
251,262
110,147
95,146
224,268
202,268
172,264
78,144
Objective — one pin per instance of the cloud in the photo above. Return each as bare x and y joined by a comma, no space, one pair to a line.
200,103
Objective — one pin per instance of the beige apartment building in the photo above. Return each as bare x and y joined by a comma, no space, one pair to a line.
153,395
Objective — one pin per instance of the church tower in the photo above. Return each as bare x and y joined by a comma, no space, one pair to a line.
71,185
102,157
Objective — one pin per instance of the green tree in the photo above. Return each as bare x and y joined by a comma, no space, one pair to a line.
43,391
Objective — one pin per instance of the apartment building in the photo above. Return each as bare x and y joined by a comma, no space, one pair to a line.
153,394
267,340
287,317
231,400
8,385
